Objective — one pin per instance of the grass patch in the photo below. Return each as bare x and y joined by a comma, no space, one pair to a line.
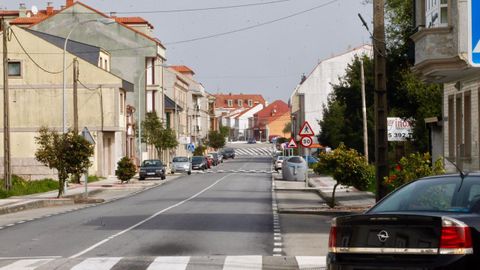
94,178
22,187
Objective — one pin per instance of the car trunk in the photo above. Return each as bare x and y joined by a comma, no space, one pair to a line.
389,231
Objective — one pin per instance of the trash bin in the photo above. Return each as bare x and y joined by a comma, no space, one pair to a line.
294,168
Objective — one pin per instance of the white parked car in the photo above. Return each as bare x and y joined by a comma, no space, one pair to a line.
278,163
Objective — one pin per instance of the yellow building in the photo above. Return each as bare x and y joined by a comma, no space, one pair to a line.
36,99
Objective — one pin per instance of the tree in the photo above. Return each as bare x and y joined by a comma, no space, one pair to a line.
155,134
68,153
199,150
225,131
287,129
216,140
347,167
125,169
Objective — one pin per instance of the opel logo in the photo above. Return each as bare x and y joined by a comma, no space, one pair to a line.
383,236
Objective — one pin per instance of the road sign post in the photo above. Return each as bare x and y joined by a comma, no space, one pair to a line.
88,136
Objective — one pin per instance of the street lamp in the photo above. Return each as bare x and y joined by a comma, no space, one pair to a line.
105,21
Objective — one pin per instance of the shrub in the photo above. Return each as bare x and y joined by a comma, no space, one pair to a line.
125,169
347,167
199,150
412,167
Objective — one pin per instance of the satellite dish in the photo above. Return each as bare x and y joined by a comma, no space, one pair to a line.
34,10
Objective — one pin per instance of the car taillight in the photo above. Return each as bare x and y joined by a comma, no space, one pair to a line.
332,238
456,237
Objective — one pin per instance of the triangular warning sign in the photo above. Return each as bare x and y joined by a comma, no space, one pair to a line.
292,144
306,130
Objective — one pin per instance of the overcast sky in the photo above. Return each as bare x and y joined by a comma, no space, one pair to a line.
267,60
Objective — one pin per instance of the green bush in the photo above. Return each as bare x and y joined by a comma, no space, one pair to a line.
125,169
412,167
347,167
94,178
22,187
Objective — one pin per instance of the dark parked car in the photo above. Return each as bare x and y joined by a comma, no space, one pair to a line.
152,168
252,141
431,223
199,163
228,153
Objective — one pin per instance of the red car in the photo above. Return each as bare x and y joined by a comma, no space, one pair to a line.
209,162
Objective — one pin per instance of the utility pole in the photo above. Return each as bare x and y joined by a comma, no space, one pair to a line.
6,119
364,112
381,144
75,95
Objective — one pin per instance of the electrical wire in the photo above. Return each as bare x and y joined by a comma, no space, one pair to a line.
86,87
30,57
252,26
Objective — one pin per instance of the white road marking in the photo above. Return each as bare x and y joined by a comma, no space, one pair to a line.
171,263
29,264
243,262
308,262
147,219
103,263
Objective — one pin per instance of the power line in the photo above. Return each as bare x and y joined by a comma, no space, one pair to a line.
252,26
30,57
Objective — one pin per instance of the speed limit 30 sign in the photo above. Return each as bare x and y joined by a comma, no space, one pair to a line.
306,141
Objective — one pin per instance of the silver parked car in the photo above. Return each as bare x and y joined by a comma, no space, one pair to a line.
182,164
294,168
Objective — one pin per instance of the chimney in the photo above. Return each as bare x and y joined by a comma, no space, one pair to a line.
22,10
69,2
49,8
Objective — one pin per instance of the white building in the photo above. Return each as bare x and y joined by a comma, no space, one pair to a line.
311,95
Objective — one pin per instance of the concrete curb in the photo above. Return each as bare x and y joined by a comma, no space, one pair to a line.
37,203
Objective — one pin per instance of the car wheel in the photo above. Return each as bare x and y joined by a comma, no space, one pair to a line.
189,172
163,177
141,178
172,172
276,169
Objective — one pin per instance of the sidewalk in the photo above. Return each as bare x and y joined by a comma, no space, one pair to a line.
75,193
295,197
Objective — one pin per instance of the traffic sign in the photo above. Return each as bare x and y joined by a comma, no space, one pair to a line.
306,130
292,144
191,147
474,32
306,141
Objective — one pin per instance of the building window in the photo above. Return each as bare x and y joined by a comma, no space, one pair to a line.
250,103
240,103
122,103
436,13
100,64
14,68
106,65
230,103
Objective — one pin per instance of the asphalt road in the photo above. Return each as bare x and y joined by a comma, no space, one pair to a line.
196,215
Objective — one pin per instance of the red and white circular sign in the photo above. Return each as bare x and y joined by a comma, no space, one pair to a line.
306,141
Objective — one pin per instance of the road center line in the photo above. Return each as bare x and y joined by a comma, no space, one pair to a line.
147,219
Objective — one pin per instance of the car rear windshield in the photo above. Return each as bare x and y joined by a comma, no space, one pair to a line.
229,150
197,159
152,163
180,159
295,160
438,194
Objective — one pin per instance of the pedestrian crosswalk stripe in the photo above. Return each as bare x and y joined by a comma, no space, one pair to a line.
251,151
309,262
28,264
171,263
243,262
101,263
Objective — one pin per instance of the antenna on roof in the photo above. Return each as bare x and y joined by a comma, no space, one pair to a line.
34,10
462,174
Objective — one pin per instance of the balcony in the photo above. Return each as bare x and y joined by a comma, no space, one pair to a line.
437,56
